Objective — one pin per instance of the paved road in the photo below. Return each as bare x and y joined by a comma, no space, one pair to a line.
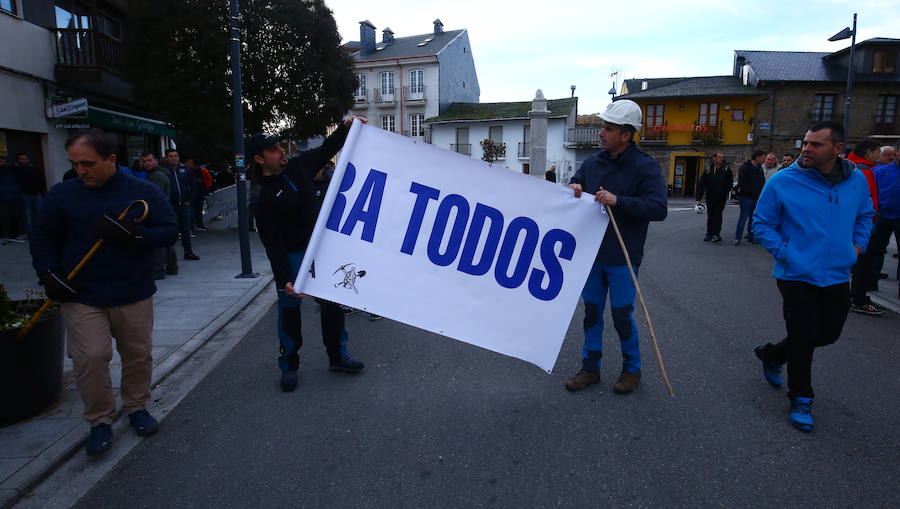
433,422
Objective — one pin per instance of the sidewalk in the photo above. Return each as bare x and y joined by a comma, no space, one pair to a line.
189,308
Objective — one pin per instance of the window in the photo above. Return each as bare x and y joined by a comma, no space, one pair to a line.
709,114
495,134
388,123
526,133
9,6
109,26
73,19
387,83
886,111
737,115
417,81
884,61
655,115
823,107
360,93
416,129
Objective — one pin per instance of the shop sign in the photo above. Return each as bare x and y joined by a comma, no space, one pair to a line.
71,125
70,108
128,123
686,128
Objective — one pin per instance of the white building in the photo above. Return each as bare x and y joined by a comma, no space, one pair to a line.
404,80
516,125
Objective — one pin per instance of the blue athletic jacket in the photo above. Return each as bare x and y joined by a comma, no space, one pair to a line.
811,227
887,178
636,180
64,233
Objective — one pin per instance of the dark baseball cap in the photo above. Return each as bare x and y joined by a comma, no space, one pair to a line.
254,145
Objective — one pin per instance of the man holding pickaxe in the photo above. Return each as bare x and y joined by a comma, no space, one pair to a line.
103,226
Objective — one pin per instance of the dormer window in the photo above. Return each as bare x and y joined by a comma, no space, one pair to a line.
884,61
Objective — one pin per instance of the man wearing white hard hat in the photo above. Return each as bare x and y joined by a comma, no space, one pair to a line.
631,184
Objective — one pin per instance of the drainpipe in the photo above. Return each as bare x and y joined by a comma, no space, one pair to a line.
772,120
401,97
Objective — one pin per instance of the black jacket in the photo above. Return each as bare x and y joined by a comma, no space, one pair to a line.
285,206
180,188
751,180
715,183
636,180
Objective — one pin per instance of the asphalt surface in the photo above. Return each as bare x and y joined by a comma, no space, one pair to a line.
438,423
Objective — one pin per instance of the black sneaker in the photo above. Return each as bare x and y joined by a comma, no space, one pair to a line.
289,381
143,423
202,229
716,238
347,365
99,441
707,238
190,256
868,309
737,242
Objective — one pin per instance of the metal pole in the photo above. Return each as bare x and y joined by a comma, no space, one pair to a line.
849,99
238,120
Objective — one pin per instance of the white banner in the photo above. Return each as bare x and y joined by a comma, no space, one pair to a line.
452,245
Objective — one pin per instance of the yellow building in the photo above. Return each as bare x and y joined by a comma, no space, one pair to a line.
686,120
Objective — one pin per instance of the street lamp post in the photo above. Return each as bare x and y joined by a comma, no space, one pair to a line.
238,121
848,33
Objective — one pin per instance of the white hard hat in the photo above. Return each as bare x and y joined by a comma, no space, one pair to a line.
699,208
623,112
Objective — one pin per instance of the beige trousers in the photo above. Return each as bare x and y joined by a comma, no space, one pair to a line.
90,331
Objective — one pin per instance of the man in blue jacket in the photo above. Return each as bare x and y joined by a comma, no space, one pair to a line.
112,294
180,194
815,217
630,183
887,180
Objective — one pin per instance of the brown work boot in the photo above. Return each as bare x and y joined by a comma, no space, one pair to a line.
582,380
627,382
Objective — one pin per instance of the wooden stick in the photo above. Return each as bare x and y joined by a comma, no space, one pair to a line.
637,287
23,332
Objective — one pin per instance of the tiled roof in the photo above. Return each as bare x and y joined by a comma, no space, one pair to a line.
636,84
405,47
702,86
488,111
791,66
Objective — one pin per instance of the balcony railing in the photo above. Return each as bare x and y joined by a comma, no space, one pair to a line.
707,134
420,135
655,134
360,98
462,148
387,96
524,150
414,93
87,48
583,134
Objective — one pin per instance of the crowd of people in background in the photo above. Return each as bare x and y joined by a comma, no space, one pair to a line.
22,189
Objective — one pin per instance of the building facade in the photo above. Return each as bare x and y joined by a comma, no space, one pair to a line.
686,120
401,81
61,70
804,87
515,127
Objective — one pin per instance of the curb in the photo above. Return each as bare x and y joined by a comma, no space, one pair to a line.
39,468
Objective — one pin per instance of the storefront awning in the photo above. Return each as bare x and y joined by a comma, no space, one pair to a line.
118,121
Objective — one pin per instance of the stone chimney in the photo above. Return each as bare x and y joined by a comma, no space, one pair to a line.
387,36
438,27
366,37
538,122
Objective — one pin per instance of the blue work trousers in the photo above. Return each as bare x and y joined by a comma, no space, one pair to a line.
615,280
290,339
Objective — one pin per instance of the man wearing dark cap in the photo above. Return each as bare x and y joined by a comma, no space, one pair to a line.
285,206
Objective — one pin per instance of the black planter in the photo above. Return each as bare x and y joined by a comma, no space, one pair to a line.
31,369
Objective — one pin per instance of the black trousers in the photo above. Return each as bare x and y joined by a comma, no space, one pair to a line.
715,206
814,317
862,278
881,237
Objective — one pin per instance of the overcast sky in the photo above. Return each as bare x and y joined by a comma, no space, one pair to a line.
525,45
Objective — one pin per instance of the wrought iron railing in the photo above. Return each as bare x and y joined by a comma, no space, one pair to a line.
88,48
462,148
524,149
414,93
386,95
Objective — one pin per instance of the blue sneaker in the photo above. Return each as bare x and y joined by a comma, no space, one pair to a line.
143,423
801,414
347,365
771,370
99,441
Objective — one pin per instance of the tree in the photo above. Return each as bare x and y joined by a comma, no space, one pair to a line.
296,79
492,151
